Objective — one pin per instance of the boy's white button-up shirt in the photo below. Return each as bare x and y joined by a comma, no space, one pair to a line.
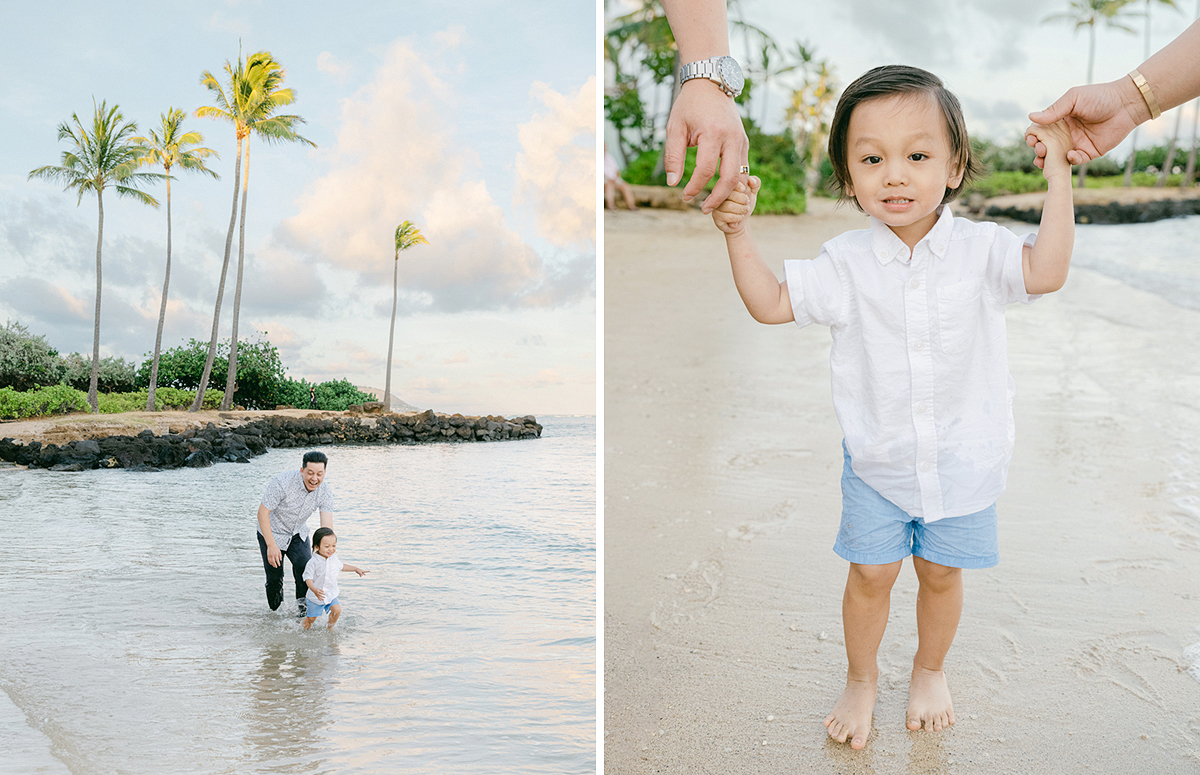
324,575
919,359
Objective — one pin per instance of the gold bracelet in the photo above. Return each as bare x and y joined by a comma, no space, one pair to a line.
1139,80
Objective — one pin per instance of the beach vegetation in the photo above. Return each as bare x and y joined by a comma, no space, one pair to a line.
260,372
331,395
114,374
27,360
41,402
102,155
407,235
169,146
250,99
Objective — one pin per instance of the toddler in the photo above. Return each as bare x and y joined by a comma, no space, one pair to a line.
915,306
320,574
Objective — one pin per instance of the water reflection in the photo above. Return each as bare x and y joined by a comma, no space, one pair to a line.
290,706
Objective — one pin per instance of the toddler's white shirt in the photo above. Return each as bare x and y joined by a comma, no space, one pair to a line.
324,574
919,359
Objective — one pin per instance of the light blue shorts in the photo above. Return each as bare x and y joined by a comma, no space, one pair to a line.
875,531
317,609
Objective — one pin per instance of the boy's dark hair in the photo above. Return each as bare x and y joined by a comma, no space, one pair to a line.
889,81
320,533
314,457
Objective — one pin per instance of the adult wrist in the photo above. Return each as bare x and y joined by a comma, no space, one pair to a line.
1138,96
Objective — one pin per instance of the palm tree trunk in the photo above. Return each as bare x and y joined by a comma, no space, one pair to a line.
1189,174
212,344
1132,158
93,393
162,309
1170,160
231,377
1091,65
387,382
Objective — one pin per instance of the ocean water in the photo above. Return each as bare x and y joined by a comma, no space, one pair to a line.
137,639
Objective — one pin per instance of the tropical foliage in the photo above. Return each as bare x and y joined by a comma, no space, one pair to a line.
167,147
406,236
259,371
103,155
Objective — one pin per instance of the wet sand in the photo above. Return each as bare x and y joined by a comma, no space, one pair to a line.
723,646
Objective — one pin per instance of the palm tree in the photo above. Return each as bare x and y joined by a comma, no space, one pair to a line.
103,155
253,93
171,148
1133,138
407,235
810,113
1085,13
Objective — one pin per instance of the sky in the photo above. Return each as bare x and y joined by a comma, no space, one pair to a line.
474,120
1000,58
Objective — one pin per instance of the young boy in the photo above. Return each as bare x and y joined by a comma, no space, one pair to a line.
320,574
921,388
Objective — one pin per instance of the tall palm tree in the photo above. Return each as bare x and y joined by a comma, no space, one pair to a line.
252,94
1134,137
407,235
1086,13
103,155
170,147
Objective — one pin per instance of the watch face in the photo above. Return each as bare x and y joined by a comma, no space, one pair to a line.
731,74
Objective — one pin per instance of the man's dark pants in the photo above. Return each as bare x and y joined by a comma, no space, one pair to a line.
299,553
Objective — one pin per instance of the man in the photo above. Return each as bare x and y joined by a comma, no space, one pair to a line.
288,502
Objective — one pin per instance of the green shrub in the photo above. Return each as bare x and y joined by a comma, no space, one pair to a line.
259,370
165,398
54,399
115,374
1001,183
26,361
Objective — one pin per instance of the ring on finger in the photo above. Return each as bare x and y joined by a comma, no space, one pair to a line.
744,170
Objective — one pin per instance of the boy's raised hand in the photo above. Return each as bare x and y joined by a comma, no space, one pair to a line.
1056,138
731,215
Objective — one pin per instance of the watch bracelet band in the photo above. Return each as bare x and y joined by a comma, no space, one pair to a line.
703,68
1139,80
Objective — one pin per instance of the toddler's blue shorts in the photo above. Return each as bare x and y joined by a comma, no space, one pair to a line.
317,609
875,531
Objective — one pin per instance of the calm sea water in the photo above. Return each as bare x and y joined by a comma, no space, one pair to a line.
136,636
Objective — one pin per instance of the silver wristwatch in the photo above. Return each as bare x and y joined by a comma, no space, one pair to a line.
723,71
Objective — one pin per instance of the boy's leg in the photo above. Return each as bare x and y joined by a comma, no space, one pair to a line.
274,576
865,607
334,612
299,554
308,620
939,606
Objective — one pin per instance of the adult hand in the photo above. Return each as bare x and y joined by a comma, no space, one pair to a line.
1098,117
274,556
706,117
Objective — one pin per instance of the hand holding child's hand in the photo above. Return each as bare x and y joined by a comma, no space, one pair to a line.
1056,138
732,214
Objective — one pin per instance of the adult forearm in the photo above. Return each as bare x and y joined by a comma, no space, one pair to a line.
264,525
1173,73
762,293
327,519
701,28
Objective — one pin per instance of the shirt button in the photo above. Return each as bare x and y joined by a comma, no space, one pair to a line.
921,408
916,283
918,345
925,468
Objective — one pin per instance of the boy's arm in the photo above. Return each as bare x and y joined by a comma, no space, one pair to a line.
765,297
353,569
1045,264
320,593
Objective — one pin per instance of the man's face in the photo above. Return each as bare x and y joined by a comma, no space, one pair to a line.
314,474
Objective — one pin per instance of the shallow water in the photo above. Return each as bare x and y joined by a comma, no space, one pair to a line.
138,639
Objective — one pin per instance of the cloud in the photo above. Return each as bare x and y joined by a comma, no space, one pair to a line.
556,169
458,357
396,159
330,65
450,38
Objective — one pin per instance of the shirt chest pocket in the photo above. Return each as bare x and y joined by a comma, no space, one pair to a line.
960,311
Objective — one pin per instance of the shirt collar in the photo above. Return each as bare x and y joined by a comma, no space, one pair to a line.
886,246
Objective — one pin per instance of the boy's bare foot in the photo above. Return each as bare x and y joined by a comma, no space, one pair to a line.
851,716
929,701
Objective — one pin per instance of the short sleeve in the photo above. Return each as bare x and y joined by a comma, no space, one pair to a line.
273,495
1006,267
817,289
310,571
326,502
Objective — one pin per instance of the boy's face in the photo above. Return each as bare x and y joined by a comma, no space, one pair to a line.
900,162
328,546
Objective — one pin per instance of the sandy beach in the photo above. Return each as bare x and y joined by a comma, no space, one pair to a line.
723,647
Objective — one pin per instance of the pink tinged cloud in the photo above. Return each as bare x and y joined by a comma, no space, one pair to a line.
397,159
556,169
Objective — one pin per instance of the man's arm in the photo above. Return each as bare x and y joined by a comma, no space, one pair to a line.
1045,265
274,556
703,115
327,519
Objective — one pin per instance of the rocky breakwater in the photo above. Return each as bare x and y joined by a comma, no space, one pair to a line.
238,439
